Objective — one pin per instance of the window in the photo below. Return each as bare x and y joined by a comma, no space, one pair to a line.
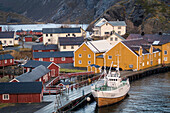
51,59
5,41
155,55
72,47
80,62
106,24
5,96
130,66
143,57
89,62
119,27
165,52
51,34
10,42
89,56
159,53
5,61
64,47
84,49
49,40
10,60
115,38
97,32
73,34
111,39
40,59
151,62
165,58
80,55
106,33
68,35
147,62
39,50
51,50
143,64
119,32
46,35
148,56
63,59
109,57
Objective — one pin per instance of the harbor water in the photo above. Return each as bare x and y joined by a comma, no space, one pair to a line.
150,94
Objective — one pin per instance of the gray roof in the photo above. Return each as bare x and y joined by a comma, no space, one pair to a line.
118,23
71,40
34,75
151,38
20,87
9,34
61,30
135,44
114,23
35,63
57,54
6,56
45,47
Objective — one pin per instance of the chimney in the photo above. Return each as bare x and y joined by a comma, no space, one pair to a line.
142,34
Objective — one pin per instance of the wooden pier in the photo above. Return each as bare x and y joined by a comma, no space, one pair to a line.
70,100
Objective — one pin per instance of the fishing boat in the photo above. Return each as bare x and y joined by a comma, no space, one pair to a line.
111,89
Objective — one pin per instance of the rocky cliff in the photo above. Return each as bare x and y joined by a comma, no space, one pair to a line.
140,15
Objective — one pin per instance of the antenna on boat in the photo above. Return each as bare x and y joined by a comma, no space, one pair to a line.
118,62
110,68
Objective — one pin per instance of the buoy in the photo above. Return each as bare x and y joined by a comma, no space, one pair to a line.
88,99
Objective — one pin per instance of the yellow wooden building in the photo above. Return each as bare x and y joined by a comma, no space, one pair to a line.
133,55
91,52
159,41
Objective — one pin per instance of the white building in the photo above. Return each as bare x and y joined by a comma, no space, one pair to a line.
50,35
104,28
8,38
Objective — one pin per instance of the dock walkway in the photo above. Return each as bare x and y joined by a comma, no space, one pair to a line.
65,98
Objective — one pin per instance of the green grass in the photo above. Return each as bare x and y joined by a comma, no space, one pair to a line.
71,70
6,104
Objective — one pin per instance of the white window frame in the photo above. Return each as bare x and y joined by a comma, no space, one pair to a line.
80,62
63,59
89,62
165,58
147,62
51,59
165,53
10,60
40,59
89,56
39,50
143,64
155,55
80,55
5,61
109,57
4,98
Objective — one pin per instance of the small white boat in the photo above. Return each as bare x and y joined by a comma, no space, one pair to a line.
111,89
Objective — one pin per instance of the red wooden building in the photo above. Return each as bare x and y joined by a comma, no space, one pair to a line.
37,32
31,64
56,57
40,73
21,92
6,60
28,38
44,48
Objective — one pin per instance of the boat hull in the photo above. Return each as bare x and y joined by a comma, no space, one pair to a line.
108,101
